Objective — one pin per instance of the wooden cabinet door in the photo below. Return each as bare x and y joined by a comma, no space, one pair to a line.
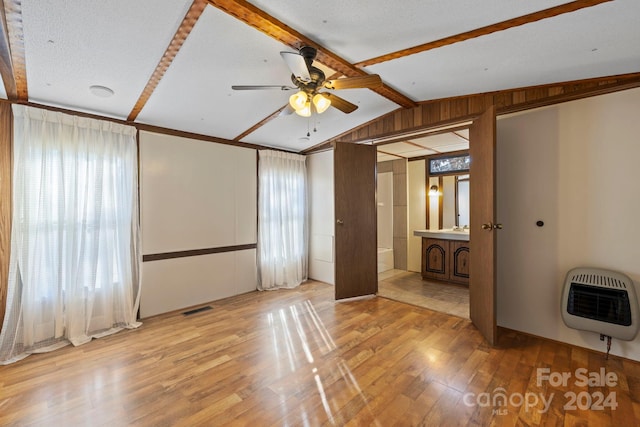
459,262
435,259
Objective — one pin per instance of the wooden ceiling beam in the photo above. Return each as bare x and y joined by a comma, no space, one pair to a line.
260,123
183,31
269,25
479,32
6,68
12,59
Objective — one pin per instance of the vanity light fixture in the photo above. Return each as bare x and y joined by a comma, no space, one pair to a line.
433,191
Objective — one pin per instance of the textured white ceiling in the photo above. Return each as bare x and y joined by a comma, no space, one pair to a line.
552,50
433,144
72,44
195,93
364,29
328,124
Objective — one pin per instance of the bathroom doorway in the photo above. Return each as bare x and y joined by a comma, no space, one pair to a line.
410,158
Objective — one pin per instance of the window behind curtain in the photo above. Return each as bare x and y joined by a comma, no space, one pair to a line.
282,220
74,265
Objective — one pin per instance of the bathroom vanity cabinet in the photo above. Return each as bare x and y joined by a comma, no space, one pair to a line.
446,260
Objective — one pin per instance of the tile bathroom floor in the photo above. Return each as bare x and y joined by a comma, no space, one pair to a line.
408,287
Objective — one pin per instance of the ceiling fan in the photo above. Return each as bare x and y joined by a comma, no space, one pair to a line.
310,80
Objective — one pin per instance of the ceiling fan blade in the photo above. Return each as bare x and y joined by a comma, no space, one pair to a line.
370,81
262,87
340,103
297,65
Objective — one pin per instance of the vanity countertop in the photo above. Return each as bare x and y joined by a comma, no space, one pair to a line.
448,234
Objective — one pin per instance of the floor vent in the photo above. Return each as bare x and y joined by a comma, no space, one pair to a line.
600,301
198,310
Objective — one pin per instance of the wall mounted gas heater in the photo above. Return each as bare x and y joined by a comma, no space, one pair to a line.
601,301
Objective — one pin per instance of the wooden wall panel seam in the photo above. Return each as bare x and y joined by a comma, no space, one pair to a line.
197,252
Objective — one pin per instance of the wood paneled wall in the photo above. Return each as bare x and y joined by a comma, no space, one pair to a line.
442,112
6,132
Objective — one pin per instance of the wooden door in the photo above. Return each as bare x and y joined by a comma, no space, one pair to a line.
356,264
482,281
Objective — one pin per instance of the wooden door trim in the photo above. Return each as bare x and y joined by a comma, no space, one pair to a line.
6,174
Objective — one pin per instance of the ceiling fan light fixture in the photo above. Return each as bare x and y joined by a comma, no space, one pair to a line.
298,100
321,103
304,111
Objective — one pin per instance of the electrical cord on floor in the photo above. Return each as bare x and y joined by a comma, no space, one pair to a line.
602,337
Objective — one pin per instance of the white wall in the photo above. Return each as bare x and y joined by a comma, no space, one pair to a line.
195,195
417,212
384,196
575,167
321,221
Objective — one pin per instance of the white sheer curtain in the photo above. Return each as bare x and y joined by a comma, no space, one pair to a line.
74,265
282,220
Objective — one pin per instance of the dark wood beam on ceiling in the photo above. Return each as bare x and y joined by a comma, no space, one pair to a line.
12,62
260,124
6,69
262,21
500,26
183,31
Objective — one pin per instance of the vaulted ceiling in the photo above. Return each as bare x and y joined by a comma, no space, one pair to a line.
171,63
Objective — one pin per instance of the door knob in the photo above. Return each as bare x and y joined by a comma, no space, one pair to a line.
339,221
491,226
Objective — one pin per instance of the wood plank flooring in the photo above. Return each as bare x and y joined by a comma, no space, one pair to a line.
297,357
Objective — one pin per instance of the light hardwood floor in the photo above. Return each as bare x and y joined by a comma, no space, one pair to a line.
295,358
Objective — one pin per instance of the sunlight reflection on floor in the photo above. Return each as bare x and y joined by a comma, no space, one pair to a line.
298,337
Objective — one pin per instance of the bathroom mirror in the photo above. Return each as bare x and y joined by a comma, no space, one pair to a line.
449,205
